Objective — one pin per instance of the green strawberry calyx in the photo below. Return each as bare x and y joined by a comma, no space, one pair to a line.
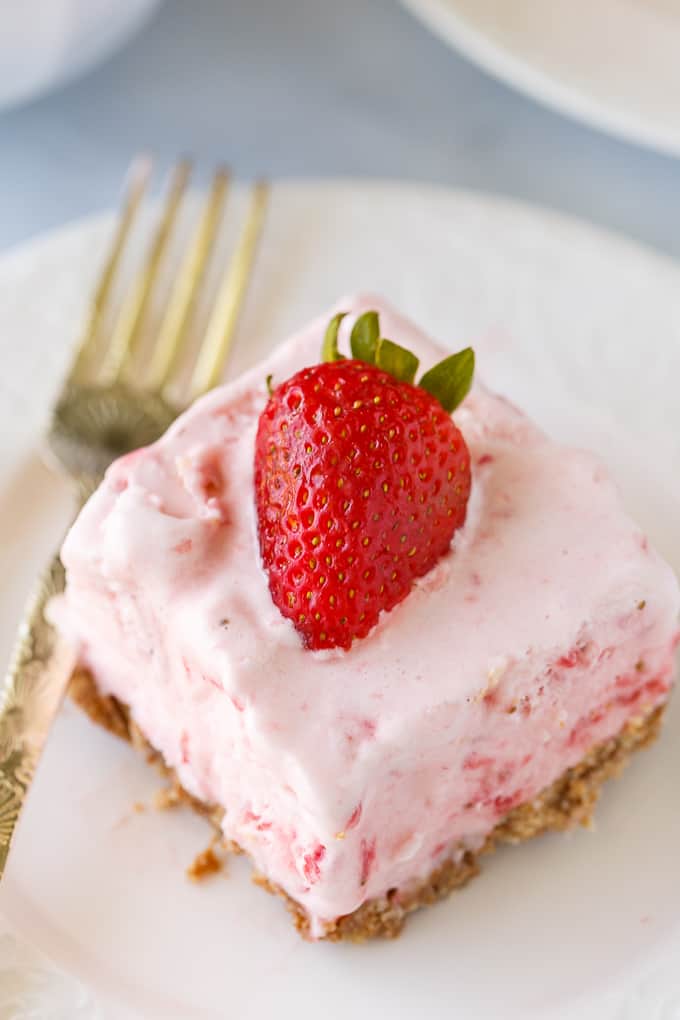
448,381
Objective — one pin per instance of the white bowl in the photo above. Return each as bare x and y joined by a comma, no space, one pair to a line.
45,42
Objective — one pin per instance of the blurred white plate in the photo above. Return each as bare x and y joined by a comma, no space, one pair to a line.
46,42
564,319
614,64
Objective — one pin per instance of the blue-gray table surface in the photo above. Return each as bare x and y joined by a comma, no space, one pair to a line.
316,87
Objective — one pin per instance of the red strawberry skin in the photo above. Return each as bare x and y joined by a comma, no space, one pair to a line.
360,483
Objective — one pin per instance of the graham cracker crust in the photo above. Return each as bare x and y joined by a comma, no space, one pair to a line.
566,803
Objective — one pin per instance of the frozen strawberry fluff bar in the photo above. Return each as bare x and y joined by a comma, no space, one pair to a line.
516,673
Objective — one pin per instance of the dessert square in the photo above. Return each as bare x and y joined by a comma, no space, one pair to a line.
487,705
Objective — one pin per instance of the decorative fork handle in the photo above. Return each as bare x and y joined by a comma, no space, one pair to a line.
35,684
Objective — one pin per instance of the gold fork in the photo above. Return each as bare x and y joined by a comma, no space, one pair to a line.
101,414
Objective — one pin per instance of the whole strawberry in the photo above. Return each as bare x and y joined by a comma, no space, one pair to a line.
361,480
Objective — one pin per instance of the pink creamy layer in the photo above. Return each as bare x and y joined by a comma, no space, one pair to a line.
550,624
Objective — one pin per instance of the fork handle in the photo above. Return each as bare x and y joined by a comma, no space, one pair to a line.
37,678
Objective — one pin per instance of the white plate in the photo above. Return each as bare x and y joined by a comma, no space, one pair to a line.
43,44
581,328
611,63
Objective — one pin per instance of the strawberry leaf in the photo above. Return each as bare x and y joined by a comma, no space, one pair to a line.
397,361
329,349
365,337
450,380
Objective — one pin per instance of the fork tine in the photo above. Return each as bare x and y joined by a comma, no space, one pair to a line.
187,285
127,327
138,178
232,290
